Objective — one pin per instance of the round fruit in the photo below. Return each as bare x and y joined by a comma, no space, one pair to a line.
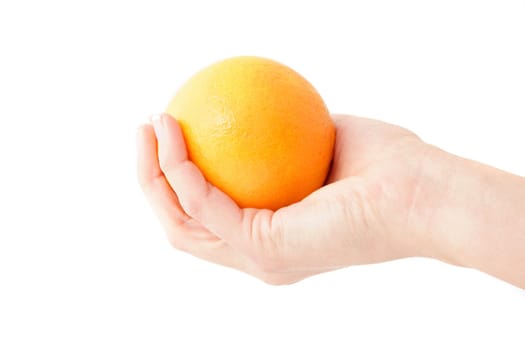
257,130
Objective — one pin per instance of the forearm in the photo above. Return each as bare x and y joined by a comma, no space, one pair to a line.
480,219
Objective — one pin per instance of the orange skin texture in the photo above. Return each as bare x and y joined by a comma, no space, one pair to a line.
257,130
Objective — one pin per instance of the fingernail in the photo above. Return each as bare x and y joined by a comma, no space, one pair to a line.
154,118
156,121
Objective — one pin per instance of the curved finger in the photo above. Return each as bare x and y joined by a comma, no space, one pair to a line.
240,228
183,232
152,181
194,239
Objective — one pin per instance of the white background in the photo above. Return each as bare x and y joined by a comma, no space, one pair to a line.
83,261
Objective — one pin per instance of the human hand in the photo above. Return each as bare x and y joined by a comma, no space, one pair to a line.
365,213
388,195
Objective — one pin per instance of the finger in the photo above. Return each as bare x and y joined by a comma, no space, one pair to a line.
203,201
202,244
230,221
194,239
183,232
157,190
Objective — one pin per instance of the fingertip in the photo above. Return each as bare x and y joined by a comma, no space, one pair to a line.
154,117
144,131
169,121
141,128
174,138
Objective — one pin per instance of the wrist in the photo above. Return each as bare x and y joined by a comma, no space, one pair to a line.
475,215
431,205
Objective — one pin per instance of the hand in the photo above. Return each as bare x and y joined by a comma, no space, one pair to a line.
367,212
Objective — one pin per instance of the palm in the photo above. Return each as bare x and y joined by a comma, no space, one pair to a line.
373,172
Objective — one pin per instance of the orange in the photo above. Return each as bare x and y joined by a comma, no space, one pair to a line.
257,130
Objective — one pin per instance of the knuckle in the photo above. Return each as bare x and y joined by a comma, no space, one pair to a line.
191,205
275,279
164,164
269,265
143,179
148,184
177,243
144,185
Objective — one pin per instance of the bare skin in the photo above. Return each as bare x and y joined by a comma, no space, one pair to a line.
389,195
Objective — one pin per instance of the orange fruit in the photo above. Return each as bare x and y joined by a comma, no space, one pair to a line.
257,130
